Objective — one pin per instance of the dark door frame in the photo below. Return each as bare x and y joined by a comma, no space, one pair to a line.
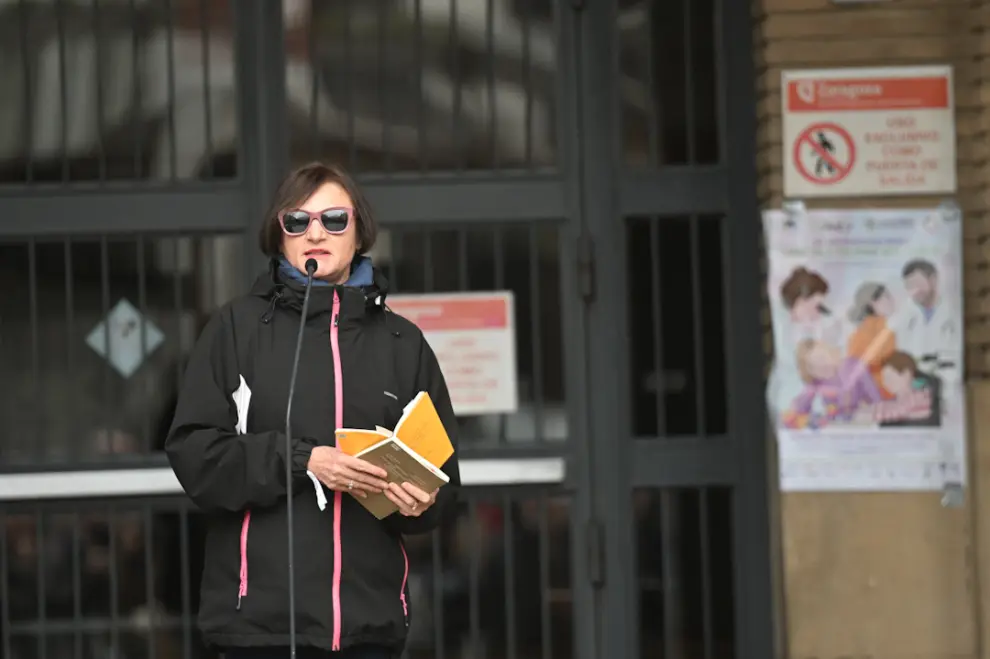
607,194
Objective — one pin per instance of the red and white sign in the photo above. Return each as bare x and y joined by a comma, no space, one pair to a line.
868,132
474,338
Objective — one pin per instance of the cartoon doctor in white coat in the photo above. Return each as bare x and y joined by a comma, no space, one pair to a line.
929,330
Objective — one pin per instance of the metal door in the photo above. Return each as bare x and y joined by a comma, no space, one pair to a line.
674,388
506,145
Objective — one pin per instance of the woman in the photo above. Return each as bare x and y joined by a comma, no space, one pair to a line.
360,365
873,341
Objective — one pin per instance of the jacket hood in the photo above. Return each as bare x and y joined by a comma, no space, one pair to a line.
282,290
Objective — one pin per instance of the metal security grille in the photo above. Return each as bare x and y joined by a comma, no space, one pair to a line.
85,580
582,155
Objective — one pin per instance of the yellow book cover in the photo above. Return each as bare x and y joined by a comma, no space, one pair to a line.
421,429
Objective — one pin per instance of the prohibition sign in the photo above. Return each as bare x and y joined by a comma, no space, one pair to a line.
833,153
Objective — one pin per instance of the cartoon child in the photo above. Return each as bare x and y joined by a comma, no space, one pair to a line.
873,341
841,386
917,395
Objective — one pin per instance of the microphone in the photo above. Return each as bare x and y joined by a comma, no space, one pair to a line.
311,266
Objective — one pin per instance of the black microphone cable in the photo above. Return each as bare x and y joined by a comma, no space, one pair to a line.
311,266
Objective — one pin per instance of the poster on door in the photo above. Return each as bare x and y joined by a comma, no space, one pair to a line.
866,390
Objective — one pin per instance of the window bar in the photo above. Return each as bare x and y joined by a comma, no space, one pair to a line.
136,58
77,616
207,105
185,586
706,577
101,152
427,261
143,310
392,269
383,86
177,296
63,87
498,258
721,79
28,117
149,581
474,576
455,74
727,268
527,66
654,109
699,339
114,584
544,550
669,564
463,283
438,590
349,67
508,548
39,541
689,85
314,90
108,360
658,373
205,255
38,419
535,325
170,72
420,105
5,586
490,100
70,334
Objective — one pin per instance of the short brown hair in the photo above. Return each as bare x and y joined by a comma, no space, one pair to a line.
802,283
901,362
297,187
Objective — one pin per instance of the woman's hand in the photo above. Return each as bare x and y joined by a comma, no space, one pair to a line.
344,473
411,500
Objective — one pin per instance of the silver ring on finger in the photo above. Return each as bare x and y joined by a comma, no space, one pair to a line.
415,506
350,485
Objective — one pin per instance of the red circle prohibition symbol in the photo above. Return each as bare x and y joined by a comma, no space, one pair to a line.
826,158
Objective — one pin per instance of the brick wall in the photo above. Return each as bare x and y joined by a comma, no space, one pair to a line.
886,574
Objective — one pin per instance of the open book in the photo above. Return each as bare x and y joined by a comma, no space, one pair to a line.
412,453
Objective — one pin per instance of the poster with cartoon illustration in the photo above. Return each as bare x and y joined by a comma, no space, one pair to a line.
866,390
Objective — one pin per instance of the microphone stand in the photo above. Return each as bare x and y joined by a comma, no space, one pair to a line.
311,267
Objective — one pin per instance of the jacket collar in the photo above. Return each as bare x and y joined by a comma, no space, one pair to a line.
282,290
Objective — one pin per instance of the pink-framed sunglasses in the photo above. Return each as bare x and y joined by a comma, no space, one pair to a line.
295,221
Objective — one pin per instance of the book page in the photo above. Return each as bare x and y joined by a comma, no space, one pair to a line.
422,431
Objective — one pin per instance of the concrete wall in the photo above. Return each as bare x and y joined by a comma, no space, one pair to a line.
891,575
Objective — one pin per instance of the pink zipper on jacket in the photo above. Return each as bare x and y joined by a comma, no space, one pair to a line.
338,400
405,578
242,590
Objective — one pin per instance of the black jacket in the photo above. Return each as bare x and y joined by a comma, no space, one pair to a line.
351,569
